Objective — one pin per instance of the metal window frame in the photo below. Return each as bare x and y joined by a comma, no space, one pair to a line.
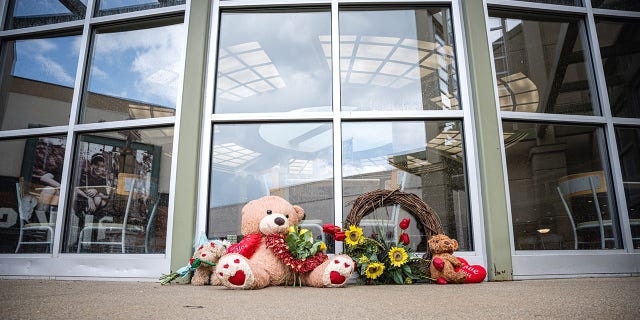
60,265
337,117
535,264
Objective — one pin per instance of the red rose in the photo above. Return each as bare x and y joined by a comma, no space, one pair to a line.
404,224
339,236
330,228
404,238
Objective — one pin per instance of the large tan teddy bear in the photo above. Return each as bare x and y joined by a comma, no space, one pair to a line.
256,262
443,262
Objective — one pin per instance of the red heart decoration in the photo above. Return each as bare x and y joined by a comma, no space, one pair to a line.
438,263
238,278
475,273
336,277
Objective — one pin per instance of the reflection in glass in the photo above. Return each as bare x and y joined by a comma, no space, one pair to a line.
37,82
30,13
397,60
120,192
540,65
294,161
30,176
620,51
273,62
616,4
628,141
134,73
108,7
424,158
563,2
559,187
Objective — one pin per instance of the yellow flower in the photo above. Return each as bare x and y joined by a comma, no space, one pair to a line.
291,229
374,270
323,246
364,259
398,256
303,231
353,236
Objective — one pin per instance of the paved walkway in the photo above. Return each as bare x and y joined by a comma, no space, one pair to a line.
587,298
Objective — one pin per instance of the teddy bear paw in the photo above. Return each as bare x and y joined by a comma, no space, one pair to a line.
234,272
338,271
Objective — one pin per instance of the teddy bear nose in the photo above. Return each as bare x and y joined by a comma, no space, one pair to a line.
279,221
446,242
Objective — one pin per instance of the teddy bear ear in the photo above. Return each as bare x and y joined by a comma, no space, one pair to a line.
455,244
299,211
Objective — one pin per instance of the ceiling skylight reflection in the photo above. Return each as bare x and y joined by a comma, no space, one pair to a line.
387,61
245,70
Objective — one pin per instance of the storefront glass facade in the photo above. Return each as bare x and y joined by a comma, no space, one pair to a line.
132,127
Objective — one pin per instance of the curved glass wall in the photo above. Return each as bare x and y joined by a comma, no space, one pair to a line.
134,73
37,82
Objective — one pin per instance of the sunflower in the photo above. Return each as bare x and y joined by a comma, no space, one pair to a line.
398,256
353,236
374,270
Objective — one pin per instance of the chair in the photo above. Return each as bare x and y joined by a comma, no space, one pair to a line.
123,228
24,210
587,184
151,223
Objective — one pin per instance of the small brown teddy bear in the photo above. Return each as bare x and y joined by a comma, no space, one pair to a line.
443,263
208,254
256,262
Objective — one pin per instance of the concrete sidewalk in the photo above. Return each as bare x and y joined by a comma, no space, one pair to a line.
586,298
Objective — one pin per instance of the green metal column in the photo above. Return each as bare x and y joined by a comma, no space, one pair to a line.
186,184
493,196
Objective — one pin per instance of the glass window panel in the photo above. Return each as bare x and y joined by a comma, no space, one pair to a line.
620,50
30,176
397,59
628,142
120,178
291,160
108,7
540,65
37,82
563,2
274,62
559,187
30,13
631,5
424,158
134,72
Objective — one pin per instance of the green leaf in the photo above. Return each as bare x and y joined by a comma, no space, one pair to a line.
397,278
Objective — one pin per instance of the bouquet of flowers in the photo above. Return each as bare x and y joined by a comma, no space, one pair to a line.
298,250
380,262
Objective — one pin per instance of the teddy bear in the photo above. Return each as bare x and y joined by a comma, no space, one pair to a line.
208,255
443,262
256,262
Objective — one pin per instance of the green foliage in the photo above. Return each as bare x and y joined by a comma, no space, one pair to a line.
301,243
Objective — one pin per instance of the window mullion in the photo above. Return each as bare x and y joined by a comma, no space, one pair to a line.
337,121
83,59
